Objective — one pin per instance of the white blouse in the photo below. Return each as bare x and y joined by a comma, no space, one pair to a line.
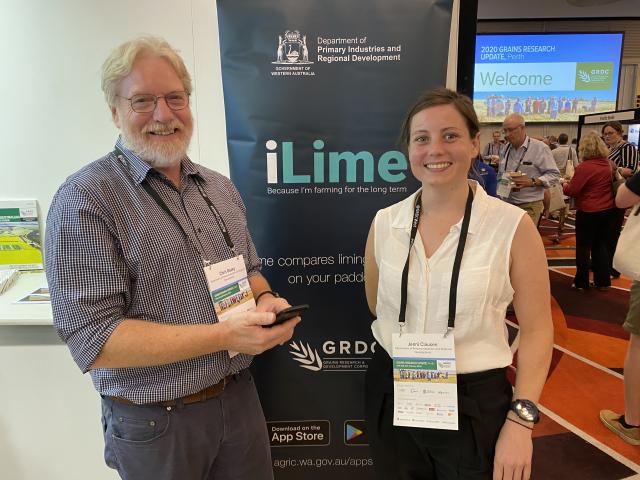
484,286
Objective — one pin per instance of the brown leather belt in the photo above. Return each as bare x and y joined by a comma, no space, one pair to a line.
201,396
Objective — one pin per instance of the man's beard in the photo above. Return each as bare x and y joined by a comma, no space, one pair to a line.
160,155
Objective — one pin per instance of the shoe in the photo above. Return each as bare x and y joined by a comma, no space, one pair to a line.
611,421
615,273
602,289
580,289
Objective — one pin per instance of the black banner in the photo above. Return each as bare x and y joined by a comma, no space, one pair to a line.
315,92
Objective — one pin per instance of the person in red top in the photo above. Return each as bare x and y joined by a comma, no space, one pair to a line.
591,186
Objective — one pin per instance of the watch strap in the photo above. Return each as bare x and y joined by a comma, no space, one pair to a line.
264,292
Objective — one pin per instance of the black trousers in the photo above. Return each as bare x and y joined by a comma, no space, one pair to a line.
406,453
595,232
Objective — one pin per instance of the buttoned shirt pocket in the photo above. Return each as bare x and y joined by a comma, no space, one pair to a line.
389,287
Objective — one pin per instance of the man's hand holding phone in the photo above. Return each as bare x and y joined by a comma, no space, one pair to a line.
287,313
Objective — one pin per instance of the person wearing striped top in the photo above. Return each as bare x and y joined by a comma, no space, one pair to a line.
621,152
625,157
127,240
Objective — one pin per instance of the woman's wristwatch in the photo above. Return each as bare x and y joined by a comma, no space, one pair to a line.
526,410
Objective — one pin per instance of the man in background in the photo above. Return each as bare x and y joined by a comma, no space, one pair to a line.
564,154
136,243
527,163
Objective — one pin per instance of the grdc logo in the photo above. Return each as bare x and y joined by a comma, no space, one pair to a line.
334,167
339,356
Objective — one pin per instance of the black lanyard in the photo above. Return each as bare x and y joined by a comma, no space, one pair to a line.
216,214
455,273
506,156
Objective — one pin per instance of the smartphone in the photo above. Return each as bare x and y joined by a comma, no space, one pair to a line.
288,313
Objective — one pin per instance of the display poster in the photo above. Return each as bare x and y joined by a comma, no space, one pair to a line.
20,245
315,93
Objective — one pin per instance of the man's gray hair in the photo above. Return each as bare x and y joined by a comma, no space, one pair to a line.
120,62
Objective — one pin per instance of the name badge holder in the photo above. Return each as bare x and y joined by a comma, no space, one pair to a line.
505,183
424,365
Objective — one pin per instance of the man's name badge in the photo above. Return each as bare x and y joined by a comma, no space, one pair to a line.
505,185
229,288
424,381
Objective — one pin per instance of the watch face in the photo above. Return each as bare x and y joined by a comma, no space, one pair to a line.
526,410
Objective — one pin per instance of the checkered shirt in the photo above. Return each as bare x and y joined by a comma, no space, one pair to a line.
113,253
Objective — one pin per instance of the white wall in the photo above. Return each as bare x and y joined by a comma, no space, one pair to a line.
53,121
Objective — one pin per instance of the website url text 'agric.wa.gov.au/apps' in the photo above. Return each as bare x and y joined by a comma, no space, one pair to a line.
322,462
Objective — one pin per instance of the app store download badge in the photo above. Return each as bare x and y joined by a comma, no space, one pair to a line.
594,75
355,433
300,433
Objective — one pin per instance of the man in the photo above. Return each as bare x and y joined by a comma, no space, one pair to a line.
627,424
138,244
563,154
528,163
493,147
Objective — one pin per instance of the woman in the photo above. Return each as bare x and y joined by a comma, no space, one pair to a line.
591,186
625,157
503,260
622,153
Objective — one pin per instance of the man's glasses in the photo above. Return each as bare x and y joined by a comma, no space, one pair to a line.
509,130
608,134
146,102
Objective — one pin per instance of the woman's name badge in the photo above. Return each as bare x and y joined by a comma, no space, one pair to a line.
424,381
504,186
229,288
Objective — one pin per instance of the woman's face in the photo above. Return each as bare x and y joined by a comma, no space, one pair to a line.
440,150
611,136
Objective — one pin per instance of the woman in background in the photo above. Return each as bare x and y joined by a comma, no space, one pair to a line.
625,157
591,186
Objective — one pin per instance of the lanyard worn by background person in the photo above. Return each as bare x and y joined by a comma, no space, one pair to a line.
227,280
424,371
508,151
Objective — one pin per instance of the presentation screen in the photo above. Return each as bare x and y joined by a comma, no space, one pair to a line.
547,77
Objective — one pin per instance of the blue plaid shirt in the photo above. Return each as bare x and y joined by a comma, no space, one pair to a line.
113,253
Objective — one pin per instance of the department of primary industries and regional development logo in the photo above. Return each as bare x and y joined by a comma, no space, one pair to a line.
335,355
292,49
594,75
